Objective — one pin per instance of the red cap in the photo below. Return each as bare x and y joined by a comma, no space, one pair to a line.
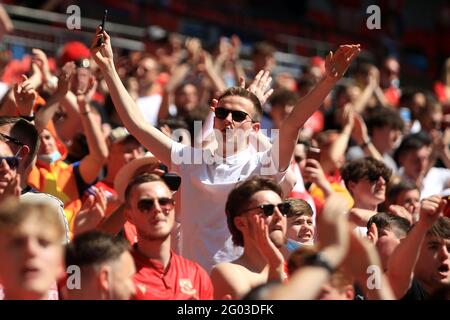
74,51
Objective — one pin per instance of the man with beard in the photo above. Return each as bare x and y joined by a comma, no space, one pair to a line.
161,273
211,175
256,216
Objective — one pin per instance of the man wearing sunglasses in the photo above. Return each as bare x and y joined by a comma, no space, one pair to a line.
256,217
209,176
161,273
366,180
22,138
9,179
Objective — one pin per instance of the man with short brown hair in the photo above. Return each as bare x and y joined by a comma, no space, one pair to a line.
161,273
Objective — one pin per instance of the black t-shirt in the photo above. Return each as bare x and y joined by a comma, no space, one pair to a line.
416,292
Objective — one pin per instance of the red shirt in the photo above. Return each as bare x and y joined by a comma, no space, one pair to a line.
183,279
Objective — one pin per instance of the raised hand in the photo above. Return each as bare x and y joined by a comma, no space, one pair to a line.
259,232
9,182
65,78
204,62
337,64
430,210
313,172
40,59
25,96
85,96
92,212
102,55
400,211
194,49
333,229
360,132
235,48
260,86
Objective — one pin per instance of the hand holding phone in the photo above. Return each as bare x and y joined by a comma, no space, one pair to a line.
101,40
313,153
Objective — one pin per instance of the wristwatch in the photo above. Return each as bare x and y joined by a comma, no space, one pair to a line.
319,260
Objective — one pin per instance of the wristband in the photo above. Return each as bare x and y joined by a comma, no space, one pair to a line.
318,260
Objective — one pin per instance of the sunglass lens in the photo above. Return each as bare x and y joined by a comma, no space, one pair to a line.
145,204
284,208
268,209
221,113
13,162
239,116
165,202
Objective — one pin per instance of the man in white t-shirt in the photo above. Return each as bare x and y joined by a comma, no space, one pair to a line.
208,177
413,155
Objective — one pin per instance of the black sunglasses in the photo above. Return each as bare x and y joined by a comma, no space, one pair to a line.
13,162
269,209
237,116
372,177
147,204
11,139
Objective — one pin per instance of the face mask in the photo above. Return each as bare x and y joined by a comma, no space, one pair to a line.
395,83
50,158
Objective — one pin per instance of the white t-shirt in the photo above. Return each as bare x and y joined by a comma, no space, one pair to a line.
435,182
205,186
149,107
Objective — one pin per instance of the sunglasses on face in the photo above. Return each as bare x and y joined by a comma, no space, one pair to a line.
7,138
375,177
148,204
13,162
237,116
269,209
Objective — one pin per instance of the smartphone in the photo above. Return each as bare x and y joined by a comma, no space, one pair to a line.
313,153
100,40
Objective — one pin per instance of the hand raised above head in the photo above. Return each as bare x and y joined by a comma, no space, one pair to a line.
430,210
103,54
260,86
337,64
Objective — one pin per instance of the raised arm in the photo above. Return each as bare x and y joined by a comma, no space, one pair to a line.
46,113
361,136
92,163
128,111
339,146
404,258
306,283
363,264
335,66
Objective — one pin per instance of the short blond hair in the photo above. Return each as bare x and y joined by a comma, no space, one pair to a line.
13,214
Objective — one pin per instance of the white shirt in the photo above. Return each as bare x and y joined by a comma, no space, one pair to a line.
435,182
205,186
149,107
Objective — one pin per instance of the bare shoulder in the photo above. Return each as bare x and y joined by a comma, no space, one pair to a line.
230,279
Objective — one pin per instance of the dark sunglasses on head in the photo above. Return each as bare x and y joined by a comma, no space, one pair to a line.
7,138
237,116
269,209
172,180
148,204
13,162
